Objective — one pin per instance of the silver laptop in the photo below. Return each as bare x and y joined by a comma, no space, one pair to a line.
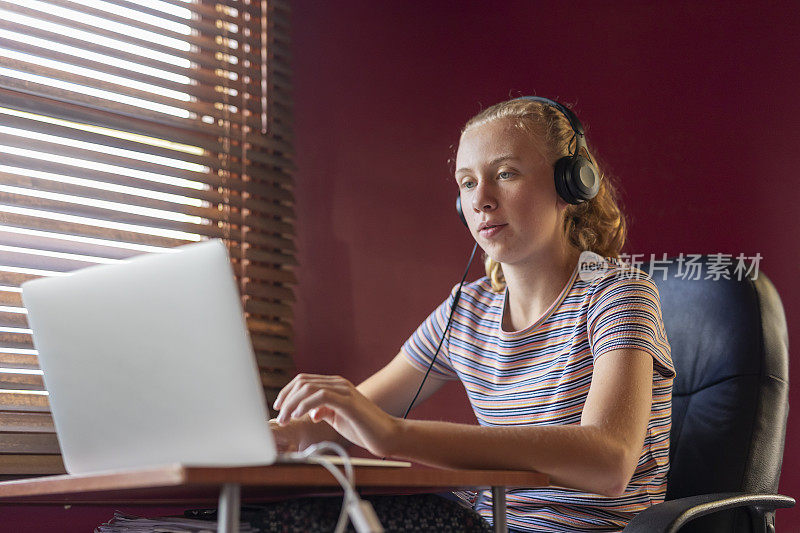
149,362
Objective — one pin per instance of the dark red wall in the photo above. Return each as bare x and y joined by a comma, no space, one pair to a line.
691,105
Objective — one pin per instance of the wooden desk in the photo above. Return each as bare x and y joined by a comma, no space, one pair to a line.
226,486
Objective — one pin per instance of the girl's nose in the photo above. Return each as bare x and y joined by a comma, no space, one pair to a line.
483,199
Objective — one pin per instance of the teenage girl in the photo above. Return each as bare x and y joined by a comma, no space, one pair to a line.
568,374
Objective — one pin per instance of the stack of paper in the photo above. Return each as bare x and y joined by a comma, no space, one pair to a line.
127,524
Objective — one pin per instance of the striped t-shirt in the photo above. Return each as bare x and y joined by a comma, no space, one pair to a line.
541,376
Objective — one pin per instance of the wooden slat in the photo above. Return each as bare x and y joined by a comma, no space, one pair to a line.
16,360
253,9
74,209
203,11
13,320
90,193
266,158
77,134
14,279
28,443
266,190
269,208
58,242
201,75
159,126
31,464
206,60
163,127
15,340
272,344
262,184
270,309
10,299
101,104
270,361
27,422
261,256
85,230
202,92
211,195
271,241
262,290
258,255
197,107
269,224
68,170
125,163
205,42
276,379
53,264
201,23
270,274
21,382
20,401
280,329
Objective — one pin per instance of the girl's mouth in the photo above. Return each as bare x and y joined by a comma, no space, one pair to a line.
491,231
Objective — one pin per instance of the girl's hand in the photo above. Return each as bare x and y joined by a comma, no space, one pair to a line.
285,437
335,400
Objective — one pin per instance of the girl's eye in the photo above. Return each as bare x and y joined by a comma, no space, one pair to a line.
504,175
467,184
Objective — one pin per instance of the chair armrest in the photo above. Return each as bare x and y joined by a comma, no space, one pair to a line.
670,516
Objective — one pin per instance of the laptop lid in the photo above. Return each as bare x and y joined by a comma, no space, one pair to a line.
149,362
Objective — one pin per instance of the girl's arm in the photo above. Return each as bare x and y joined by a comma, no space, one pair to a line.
599,455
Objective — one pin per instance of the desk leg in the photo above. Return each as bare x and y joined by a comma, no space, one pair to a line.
228,510
499,509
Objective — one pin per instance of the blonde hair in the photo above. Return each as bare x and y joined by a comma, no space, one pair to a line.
597,225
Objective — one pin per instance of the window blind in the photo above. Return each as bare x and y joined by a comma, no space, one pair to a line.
129,127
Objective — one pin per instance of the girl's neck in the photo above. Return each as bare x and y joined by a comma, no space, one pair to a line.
534,286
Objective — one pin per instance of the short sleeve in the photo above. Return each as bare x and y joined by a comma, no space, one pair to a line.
420,347
625,312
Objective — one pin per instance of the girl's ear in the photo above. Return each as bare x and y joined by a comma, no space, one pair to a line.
561,207
560,203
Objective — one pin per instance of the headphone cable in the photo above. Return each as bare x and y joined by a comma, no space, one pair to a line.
447,327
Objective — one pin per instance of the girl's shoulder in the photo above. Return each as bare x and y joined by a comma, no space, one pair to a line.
619,279
479,290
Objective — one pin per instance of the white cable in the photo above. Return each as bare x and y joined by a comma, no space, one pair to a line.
313,452
341,523
315,449
361,512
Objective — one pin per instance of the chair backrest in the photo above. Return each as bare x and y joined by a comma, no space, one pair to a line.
730,397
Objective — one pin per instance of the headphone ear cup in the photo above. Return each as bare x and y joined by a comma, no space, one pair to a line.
560,174
586,178
460,212
576,179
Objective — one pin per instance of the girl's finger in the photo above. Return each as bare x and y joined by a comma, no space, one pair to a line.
297,381
322,399
303,391
319,414
289,387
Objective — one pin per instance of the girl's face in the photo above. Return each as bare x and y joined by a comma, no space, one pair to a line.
508,195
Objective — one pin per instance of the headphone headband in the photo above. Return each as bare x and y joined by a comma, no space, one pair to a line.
577,127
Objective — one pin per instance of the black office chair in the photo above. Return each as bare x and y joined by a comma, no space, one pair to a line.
729,407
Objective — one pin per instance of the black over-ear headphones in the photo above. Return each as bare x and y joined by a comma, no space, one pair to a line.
577,178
